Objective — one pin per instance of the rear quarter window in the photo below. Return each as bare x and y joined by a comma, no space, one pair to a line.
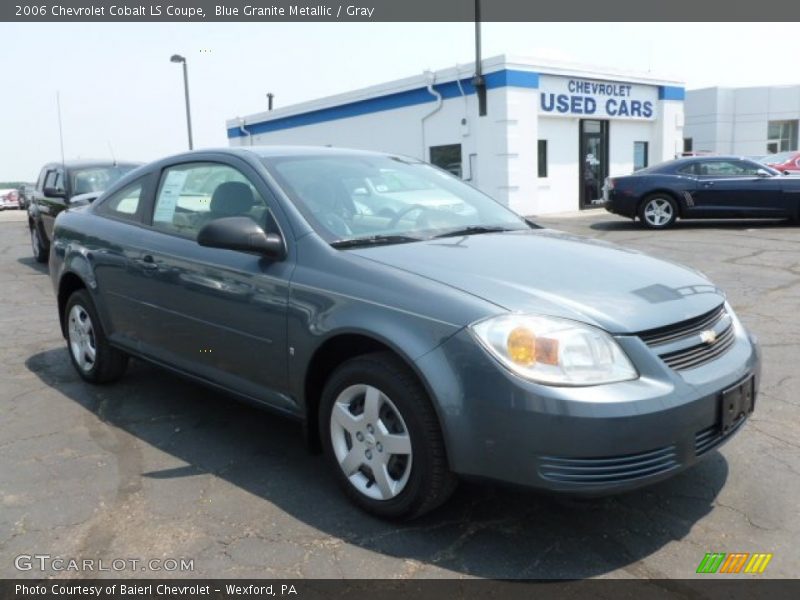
124,204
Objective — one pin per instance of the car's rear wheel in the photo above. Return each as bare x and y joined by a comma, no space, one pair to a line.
40,251
658,212
382,437
92,356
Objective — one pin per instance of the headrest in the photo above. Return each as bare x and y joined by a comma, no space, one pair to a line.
232,198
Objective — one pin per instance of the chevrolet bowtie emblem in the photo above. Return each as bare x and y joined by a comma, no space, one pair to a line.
708,337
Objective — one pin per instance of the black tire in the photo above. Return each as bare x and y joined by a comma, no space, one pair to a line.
108,363
41,252
430,482
667,211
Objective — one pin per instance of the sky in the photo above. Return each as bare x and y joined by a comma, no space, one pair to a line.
119,90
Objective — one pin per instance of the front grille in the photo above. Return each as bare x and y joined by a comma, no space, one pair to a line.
692,351
608,470
711,437
671,333
700,354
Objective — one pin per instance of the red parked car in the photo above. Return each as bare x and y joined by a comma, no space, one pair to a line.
9,199
785,162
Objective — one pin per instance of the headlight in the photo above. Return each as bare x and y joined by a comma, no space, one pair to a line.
554,351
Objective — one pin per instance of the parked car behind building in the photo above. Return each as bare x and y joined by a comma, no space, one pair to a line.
785,162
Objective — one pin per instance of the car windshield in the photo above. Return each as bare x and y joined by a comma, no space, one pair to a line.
775,159
96,179
369,199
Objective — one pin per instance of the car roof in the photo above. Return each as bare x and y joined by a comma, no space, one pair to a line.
84,163
276,151
690,160
273,151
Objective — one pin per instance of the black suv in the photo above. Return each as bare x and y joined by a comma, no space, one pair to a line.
62,184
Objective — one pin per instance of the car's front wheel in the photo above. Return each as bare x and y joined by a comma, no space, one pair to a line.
382,438
658,212
92,356
40,251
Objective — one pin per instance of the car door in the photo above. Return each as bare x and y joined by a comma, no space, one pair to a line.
735,188
50,205
219,314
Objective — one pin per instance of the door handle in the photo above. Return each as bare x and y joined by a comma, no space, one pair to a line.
708,183
148,262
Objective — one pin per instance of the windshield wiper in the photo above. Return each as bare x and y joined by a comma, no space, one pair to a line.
474,229
374,240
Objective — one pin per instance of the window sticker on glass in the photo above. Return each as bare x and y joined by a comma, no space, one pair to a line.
168,197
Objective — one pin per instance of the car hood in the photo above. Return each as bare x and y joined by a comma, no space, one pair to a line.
553,273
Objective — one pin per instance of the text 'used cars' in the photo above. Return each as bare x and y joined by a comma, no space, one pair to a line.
420,330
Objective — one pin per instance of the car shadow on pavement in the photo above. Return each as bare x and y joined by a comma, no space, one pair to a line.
30,262
729,224
484,531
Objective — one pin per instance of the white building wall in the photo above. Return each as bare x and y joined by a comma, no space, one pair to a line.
500,150
559,191
668,131
736,120
519,126
622,135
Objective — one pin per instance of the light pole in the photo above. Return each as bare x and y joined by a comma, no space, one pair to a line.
177,58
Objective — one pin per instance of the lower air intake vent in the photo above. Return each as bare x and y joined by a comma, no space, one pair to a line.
613,469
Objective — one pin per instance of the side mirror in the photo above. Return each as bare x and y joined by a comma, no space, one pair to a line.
51,192
763,173
242,234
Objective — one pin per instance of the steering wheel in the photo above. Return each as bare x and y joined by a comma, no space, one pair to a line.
396,219
335,223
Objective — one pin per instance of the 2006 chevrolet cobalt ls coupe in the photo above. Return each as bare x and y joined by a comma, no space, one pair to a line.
419,336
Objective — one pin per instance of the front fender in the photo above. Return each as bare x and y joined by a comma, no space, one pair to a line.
69,260
316,318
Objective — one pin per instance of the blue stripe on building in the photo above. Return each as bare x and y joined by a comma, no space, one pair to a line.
450,89
668,92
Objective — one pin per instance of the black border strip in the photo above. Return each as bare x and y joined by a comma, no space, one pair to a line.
707,587
402,10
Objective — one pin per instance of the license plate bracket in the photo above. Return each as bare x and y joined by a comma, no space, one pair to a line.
736,403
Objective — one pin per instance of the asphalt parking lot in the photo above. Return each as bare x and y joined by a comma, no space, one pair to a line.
156,467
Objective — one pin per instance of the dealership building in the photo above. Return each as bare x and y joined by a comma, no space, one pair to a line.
551,132
746,121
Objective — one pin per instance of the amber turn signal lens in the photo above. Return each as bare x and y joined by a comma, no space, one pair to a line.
522,346
547,351
525,349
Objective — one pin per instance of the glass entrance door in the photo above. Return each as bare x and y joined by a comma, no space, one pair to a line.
593,161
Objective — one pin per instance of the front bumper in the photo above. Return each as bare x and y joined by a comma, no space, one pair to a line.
583,440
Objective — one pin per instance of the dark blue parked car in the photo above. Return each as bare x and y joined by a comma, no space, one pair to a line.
447,338
704,187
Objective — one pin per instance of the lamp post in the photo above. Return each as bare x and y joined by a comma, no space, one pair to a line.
177,58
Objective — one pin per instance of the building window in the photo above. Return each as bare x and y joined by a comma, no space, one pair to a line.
781,136
447,157
542,153
639,155
687,144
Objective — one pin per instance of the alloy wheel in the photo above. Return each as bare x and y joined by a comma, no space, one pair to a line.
658,212
82,343
371,442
